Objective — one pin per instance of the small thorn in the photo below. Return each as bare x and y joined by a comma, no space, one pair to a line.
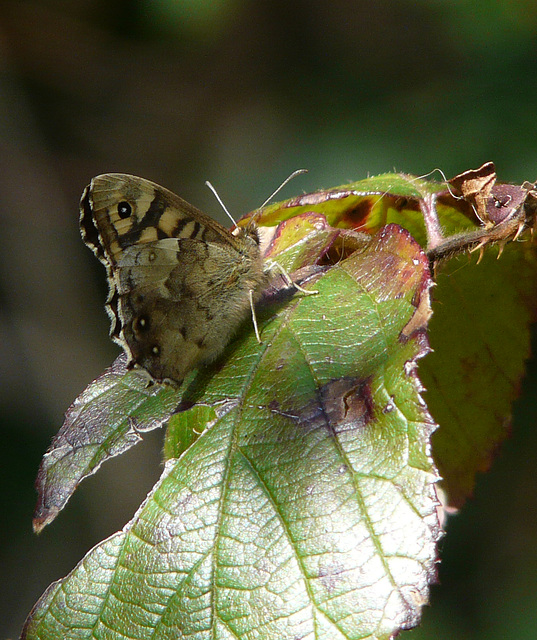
501,246
479,246
519,231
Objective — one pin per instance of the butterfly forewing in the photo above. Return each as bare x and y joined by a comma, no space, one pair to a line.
119,210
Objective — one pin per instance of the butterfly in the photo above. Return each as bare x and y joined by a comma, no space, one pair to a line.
180,284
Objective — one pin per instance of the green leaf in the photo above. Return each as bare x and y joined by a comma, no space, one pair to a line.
482,313
104,421
480,334
366,205
306,506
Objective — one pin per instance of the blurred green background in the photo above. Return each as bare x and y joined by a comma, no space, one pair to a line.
239,93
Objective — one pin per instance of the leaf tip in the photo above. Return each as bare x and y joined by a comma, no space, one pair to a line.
43,516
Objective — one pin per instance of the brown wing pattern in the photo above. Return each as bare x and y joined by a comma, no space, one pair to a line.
118,210
180,283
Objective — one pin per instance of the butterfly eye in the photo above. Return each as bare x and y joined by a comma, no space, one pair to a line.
124,210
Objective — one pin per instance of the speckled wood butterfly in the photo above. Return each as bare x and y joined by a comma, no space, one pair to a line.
180,283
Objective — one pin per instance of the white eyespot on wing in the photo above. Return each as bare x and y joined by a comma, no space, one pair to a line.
151,254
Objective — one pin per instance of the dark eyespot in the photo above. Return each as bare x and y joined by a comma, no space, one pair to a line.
124,210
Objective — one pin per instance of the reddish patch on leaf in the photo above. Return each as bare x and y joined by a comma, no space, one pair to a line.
356,216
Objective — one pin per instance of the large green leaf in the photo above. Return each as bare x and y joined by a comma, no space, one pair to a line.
480,331
306,507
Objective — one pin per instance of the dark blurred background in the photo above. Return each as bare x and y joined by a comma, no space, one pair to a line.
239,93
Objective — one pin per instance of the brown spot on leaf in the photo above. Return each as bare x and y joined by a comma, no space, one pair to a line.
347,403
340,405
344,244
405,204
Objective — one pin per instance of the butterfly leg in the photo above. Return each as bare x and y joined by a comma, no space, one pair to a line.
288,280
254,318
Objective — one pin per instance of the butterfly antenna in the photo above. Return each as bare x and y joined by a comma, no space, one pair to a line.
288,179
220,201
446,181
